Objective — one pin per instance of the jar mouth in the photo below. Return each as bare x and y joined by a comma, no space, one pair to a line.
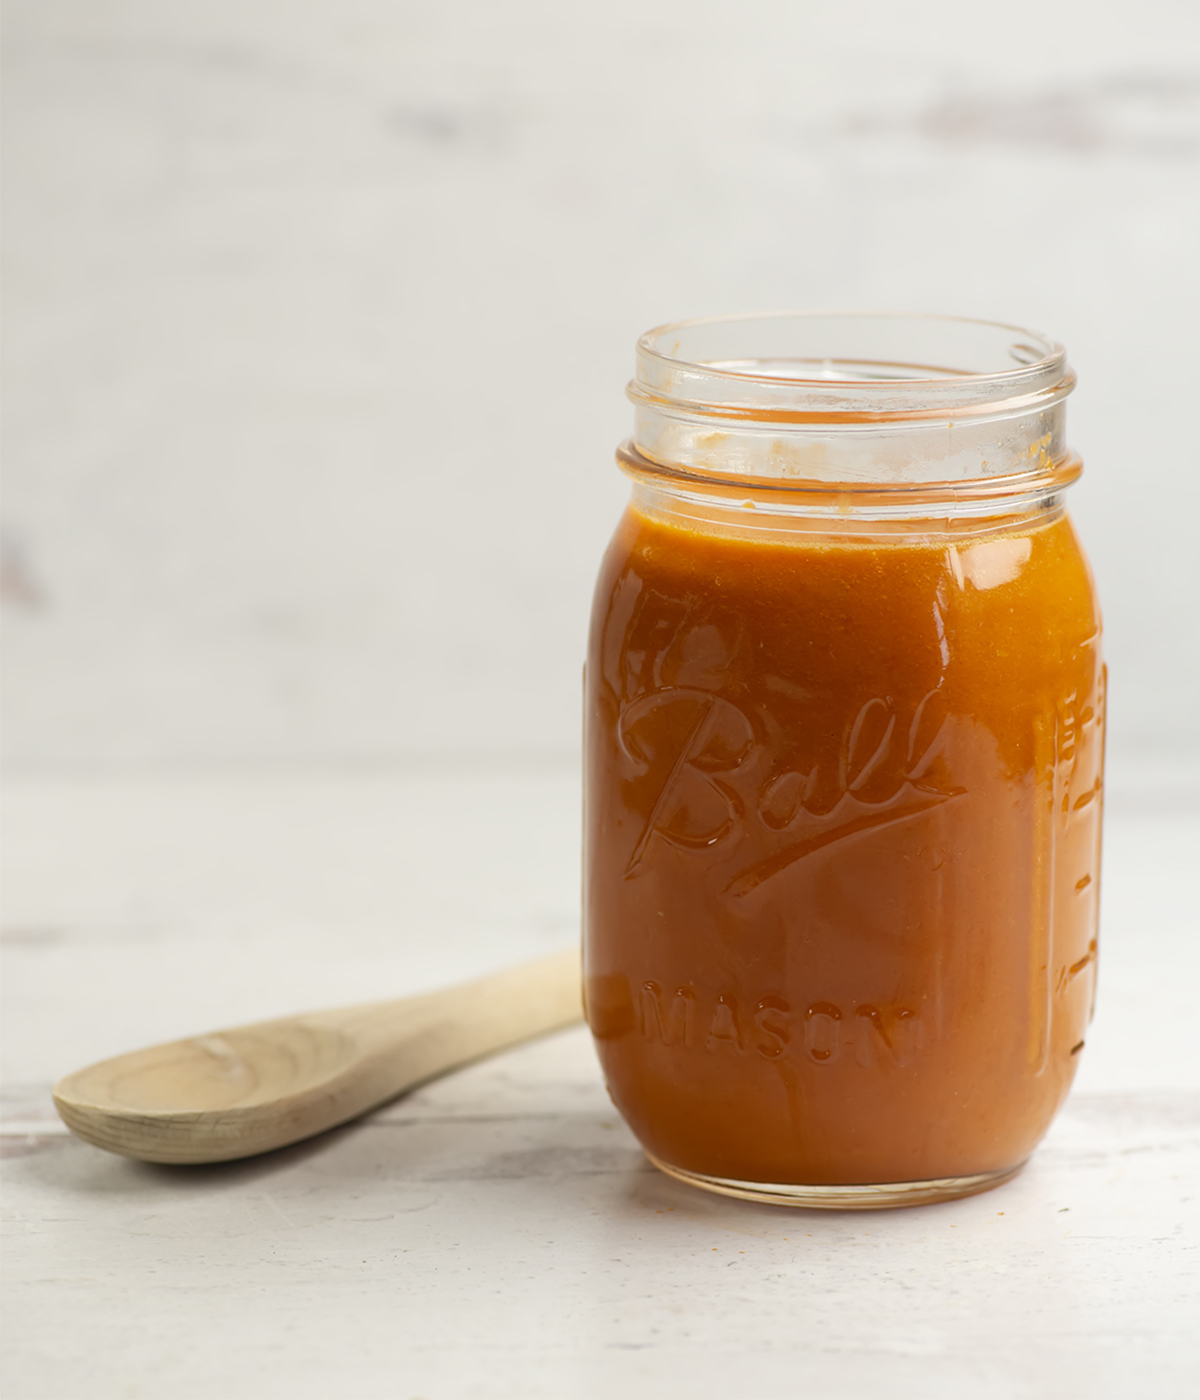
808,400
850,367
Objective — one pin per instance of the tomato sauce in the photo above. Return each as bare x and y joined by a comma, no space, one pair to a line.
841,843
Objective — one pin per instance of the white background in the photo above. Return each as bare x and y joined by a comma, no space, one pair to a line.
320,314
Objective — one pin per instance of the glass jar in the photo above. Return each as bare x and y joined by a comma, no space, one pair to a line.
844,713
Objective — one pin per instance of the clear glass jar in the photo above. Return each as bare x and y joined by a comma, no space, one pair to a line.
844,714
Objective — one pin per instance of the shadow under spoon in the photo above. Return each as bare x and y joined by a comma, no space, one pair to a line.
235,1093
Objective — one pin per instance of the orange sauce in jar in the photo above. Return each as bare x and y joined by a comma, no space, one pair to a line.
841,843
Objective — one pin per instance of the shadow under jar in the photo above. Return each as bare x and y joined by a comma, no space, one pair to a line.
844,714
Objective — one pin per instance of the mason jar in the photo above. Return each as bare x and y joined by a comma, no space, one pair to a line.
844,720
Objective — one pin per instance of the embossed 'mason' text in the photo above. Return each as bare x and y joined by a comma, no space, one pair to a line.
867,1033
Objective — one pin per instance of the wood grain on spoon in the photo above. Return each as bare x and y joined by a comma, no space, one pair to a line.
239,1092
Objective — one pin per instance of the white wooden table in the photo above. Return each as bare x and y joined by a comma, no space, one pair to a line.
499,1234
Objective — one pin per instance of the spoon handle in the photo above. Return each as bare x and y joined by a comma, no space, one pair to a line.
254,1088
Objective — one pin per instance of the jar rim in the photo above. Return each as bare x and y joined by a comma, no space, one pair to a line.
809,367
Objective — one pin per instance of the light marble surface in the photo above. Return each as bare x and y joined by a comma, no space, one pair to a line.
498,1234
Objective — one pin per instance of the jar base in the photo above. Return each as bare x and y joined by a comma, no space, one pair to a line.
870,1196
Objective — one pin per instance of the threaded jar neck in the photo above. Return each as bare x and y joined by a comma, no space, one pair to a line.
883,411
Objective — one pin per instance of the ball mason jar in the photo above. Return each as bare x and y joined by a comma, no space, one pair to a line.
844,709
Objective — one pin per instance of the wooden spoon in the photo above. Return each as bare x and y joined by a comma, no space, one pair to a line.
238,1092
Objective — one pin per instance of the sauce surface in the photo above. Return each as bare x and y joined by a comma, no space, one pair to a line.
841,845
